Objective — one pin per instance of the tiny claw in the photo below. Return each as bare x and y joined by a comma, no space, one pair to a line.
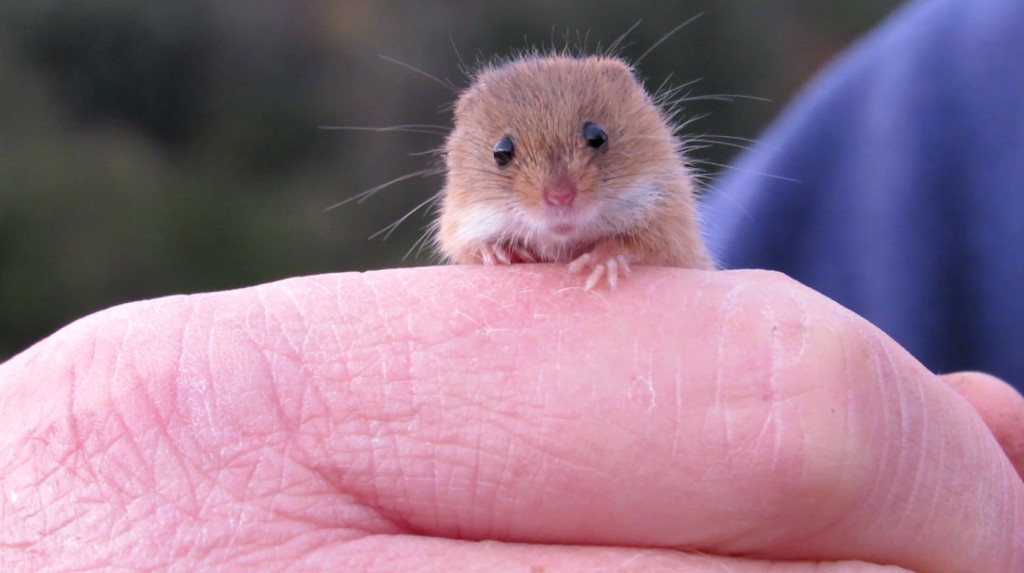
624,265
595,278
613,272
604,261
579,263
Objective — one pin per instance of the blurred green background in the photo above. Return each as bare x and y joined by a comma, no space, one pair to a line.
150,148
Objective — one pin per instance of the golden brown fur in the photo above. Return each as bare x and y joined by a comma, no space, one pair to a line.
635,197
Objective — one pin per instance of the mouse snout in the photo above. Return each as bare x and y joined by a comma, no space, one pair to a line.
559,191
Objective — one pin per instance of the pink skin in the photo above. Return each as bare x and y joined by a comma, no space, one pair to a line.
1000,406
386,421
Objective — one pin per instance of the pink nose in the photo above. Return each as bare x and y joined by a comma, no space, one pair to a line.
560,192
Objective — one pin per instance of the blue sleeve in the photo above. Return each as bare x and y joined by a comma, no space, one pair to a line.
905,193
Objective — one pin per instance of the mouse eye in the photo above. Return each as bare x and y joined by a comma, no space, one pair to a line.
595,137
504,151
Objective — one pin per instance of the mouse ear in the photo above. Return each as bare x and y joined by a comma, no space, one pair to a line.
504,151
595,136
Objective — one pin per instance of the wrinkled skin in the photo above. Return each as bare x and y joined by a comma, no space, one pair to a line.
390,421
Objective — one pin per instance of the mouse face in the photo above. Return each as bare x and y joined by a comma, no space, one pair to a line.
551,154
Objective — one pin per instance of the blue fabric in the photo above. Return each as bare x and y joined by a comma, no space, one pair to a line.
907,205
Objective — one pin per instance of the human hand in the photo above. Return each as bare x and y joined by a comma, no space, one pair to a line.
386,421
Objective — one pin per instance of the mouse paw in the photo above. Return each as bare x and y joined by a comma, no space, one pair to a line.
493,255
603,263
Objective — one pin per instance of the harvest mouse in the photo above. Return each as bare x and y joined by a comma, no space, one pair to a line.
566,159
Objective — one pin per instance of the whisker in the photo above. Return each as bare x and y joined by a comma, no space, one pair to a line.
364,195
710,188
723,97
458,56
616,44
436,151
686,123
689,148
709,137
430,232
447,84
708,143
742,170
406,128
662,89
637,61
678,88
391,228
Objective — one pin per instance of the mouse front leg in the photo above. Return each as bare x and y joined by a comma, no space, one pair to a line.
607,260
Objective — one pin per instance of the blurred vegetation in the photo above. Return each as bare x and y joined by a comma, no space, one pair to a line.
149,148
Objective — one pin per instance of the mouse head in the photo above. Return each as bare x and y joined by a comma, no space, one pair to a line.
555,147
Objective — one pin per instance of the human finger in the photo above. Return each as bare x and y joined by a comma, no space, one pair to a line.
478,403
1000,406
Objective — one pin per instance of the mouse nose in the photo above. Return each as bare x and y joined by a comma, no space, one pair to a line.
559,192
